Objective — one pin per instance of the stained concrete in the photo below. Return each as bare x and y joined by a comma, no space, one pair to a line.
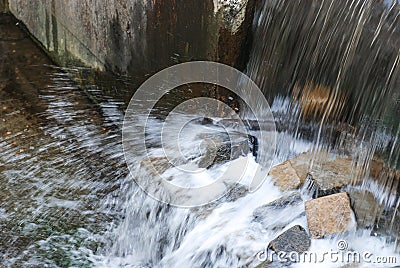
139,36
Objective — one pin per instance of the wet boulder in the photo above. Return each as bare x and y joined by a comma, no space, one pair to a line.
285,176
329,215
292,173
280,212
295,239
333,175
303,162
217,148
237,191
280,203
376,167
328,175
365,207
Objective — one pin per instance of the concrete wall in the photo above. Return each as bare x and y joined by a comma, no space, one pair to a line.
136,36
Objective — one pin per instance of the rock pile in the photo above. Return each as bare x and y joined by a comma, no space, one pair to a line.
330,175
334,206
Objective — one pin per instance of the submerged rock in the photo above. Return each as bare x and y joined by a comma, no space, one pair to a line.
303,162
280,212
332,176
365,207
295,239
221,147
237,191
280,203
329,215
375,168
156,165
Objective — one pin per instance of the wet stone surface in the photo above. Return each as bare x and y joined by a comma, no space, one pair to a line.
281,203
329,215
295,239
365,207
285,176
274,215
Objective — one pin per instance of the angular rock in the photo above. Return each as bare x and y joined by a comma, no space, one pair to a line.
285,176
291,174
324,185
212,149
328,175
294,239
219,147
365,207
302,162
237,191
329,215
280,203
333,175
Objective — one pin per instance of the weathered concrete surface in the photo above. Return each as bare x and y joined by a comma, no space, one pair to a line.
138,36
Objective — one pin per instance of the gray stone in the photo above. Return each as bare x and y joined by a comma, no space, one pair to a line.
219,147
281,203
277,214
328,175
334,175
294,239
365,207
237,191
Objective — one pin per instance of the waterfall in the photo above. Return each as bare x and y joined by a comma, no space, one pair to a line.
331,73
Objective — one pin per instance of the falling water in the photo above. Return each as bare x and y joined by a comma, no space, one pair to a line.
330,71
337,65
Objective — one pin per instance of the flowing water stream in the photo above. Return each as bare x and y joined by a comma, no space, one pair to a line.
331,72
